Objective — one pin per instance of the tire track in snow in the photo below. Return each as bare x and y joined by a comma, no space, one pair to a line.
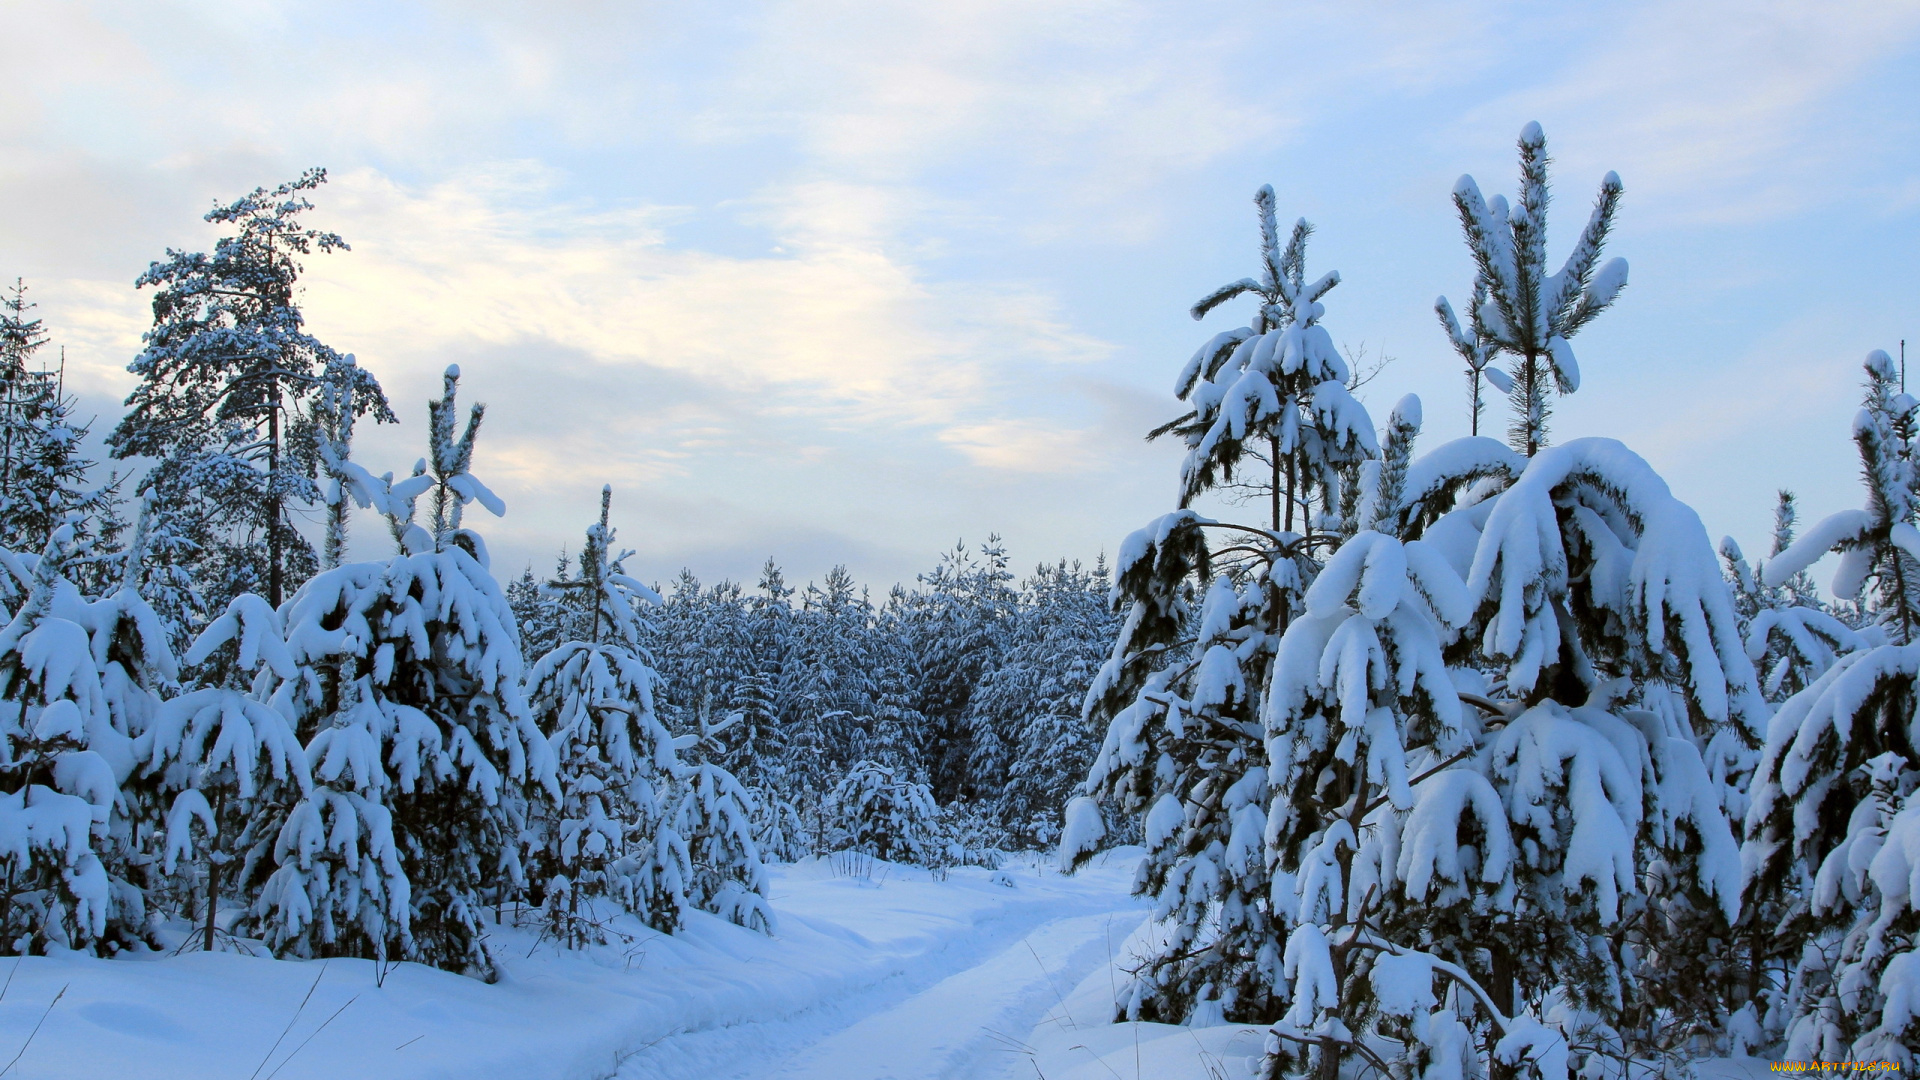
958,1013
971,1025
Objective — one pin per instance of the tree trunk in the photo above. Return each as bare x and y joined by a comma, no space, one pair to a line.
1293,487
213,895
1531,372
274,554
1500,989
1475,422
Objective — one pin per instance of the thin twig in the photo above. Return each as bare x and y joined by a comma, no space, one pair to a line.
10,973
290,1023
309,1038
410,1042
35,1031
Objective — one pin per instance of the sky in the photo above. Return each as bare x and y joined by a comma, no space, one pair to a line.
846,283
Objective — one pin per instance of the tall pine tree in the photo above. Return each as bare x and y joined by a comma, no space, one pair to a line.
229,383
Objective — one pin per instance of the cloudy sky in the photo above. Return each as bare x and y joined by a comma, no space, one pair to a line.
848,282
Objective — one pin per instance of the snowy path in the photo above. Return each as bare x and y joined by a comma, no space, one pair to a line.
969,1024
898,978
961,1012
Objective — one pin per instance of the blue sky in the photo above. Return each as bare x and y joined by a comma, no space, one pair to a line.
847,282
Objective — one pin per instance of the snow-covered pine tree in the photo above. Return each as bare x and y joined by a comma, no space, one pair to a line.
1560,853
833,692
717,649
1577,815
882,814
1032,700
217,760
1180,691
611,832
537,610
1273,392
42,472
715,818
425,755
900,734
1519,308
228,380
1477,349
331,419
1832,833
78,680
757,748
168,551
1792,636
700,648
958,623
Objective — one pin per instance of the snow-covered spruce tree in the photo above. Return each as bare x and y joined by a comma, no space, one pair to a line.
424,753
610,834
1179,694
228,380
887,816
1831,833
1519,308
78,680
43,475
715,817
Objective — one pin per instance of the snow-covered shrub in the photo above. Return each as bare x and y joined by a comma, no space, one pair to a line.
885,816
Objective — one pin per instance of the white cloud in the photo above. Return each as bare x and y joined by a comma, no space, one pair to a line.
1716,111
838,328
1023,446
776,265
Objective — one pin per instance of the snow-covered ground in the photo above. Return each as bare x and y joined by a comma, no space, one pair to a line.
900,977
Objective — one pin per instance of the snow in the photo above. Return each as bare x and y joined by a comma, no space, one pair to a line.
1671,595
1077,1040
1847,526
1083,832
1452,463
899,976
